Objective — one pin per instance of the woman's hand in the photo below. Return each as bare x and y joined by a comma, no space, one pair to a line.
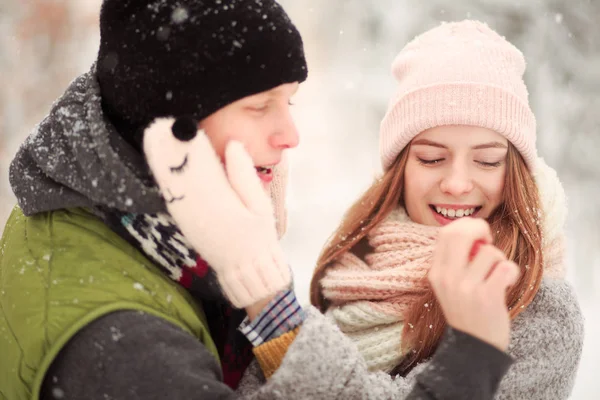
470,277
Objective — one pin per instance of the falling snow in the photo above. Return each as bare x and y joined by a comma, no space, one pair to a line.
58,393
354,41
116,334
180,14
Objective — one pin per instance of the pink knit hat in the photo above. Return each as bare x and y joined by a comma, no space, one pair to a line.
460,73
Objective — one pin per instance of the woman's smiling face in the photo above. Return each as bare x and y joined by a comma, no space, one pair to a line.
454,171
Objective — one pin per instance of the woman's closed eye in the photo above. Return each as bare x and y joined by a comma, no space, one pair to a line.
433,161
180,168
487,164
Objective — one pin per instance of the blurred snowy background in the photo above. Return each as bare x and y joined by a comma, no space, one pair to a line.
350,44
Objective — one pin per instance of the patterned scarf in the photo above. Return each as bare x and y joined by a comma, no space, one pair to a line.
157,236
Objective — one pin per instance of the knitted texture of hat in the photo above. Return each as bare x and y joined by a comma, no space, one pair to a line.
188,57
460,73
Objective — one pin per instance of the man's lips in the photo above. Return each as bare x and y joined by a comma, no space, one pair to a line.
265,174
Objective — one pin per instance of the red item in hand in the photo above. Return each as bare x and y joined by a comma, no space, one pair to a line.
475,249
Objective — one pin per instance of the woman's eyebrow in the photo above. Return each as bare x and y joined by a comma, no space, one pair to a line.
488,145
426,142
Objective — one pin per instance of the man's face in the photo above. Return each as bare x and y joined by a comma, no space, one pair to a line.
261,122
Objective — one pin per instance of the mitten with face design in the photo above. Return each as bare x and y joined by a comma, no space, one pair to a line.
223,212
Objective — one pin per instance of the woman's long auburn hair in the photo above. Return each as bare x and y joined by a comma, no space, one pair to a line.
515,225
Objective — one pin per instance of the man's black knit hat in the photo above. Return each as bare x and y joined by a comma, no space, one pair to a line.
191,57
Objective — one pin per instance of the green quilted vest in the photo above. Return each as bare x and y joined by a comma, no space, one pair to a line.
63,269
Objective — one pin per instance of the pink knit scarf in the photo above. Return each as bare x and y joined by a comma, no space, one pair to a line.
391,276
370,297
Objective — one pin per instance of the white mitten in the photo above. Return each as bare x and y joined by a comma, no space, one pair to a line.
225,214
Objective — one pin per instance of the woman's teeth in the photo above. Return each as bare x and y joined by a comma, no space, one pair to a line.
453,213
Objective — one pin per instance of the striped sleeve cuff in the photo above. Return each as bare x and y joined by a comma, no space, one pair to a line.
283,314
